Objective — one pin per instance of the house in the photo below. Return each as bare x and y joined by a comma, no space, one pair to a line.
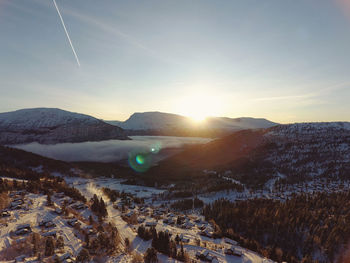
49,234
184,238
58,211
59,195
198,220
171,221
233,251
67,200
206,256
230,241
17,204
237,253
47,223
140,220
206,233
201,226
79,206
23,229
129,214
21,258
17,193
187,225
5,213
73,222
151,224
64,258
89,230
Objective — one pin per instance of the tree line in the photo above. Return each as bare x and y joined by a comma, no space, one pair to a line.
305,228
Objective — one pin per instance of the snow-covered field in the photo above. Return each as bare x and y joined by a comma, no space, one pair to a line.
89,187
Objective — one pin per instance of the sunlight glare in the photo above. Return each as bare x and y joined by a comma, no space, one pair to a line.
199,106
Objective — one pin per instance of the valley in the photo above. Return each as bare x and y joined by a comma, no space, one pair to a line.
198,200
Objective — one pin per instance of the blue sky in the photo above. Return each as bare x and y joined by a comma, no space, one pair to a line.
287,61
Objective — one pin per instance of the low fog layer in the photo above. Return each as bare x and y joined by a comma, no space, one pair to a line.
108,151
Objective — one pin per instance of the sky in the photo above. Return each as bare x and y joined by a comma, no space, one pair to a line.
287,61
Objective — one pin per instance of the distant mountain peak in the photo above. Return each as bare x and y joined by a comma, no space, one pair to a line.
160,121
53,125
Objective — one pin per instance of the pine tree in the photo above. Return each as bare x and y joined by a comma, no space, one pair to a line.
87,240
91,220
177,239
48,200
35,242
181,254
49,247
102,208
83,256
60,242
151,255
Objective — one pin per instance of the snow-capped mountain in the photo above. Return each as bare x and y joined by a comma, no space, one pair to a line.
153,121
167,123
50,125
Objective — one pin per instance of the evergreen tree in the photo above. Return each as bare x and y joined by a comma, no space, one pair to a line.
83,256
48,200
60,242
49,246
151,256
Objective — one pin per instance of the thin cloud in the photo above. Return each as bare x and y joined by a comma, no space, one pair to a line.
319,93
284,97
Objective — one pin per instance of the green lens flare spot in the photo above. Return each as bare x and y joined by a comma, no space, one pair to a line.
140,159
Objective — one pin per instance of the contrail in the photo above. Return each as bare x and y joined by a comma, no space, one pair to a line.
65,30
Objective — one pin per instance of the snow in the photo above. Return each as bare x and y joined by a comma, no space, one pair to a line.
308,128
89,187
41,118
37,212
50,126
166,121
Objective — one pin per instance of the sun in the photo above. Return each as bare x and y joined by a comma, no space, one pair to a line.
197,116
199,107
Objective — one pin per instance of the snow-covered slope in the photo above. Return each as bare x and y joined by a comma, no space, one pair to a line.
165,121
153,121
49,125
238,123
300,151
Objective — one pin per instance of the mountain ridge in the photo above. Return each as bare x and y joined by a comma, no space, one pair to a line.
161,123
53,125
297,151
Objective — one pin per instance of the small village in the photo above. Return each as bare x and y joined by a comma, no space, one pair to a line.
58,228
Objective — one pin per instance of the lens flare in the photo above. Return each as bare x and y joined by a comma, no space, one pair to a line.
155,147
140,161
